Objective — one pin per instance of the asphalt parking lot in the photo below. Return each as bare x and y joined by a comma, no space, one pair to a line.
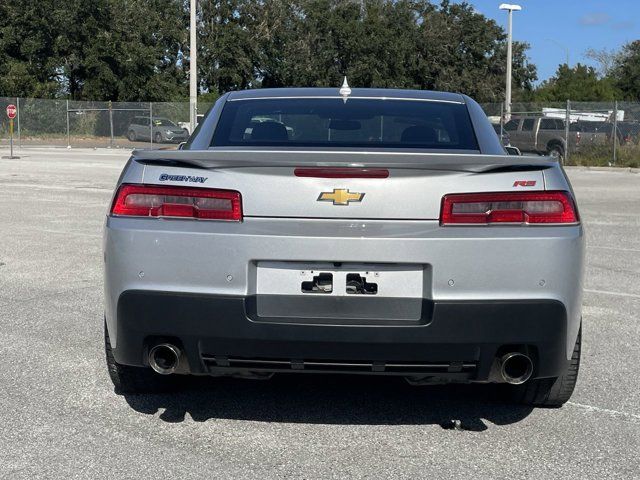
61,418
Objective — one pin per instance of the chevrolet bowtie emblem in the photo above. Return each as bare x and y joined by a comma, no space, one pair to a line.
340,196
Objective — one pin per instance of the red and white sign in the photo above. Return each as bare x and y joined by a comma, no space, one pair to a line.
12,111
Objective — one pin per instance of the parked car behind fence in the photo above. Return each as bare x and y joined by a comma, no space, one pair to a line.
542,135
163,130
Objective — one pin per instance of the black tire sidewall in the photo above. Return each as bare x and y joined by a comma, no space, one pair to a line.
556,148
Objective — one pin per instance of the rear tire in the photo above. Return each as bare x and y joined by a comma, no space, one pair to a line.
556,151
550,392
157,137
132,136
128,379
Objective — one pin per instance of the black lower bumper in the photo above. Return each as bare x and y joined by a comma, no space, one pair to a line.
221,334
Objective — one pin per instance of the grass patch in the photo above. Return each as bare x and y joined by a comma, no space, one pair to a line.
602,156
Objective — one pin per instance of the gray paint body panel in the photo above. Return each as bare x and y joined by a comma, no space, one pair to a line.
485,263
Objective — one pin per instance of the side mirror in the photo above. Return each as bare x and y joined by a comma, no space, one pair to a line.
181,145
512,150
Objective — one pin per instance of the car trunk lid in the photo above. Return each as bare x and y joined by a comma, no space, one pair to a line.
404,185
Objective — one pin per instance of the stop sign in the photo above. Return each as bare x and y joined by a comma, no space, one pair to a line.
12,111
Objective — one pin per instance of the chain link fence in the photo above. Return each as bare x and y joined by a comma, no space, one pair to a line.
67,123
581,133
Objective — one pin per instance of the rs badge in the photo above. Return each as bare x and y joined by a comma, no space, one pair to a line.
524,183
340,196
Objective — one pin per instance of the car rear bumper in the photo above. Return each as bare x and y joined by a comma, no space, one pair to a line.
482,289
456,340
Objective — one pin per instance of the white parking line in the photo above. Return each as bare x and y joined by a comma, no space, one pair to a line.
617,294
42,186
618,249
70,234
608,411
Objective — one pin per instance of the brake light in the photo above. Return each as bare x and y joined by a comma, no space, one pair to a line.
183,202
342,172
509,207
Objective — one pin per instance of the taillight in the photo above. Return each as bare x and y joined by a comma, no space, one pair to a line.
183,202
508,208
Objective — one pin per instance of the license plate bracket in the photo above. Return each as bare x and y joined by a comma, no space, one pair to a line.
346,279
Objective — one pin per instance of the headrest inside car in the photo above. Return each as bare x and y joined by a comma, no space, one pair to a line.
419,134
270,132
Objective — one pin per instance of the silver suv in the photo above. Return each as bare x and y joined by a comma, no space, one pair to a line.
163,130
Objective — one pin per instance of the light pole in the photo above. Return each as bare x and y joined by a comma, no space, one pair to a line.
510,9
193,67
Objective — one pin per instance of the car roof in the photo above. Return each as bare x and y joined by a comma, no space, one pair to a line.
355,92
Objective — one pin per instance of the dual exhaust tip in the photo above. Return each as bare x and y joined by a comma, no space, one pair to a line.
164,358
515,368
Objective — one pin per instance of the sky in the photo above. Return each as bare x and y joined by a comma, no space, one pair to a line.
553,27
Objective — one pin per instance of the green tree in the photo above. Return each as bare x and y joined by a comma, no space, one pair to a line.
133,54
137,50
27,61
461,50
580,83
225,48
626,72
98,50
384,43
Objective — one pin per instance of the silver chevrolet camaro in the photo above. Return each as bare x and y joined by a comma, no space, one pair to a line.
356,231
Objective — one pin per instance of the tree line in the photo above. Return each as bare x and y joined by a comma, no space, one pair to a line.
617,77
138,50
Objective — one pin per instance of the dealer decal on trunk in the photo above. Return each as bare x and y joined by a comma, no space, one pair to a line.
165,177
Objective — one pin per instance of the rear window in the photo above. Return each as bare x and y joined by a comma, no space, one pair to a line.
332,122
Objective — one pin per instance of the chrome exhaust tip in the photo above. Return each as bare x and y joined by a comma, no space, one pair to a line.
515,368
164,358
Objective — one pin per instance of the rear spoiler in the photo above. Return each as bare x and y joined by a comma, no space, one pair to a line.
239,158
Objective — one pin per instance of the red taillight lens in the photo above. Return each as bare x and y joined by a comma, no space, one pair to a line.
509,207
184,202
348,172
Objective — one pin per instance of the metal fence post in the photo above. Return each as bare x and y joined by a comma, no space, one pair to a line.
502,124
566,132
615,132
110,124
18,121
151,123
68,132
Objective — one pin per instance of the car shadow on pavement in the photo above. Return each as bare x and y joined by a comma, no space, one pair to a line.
333,399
